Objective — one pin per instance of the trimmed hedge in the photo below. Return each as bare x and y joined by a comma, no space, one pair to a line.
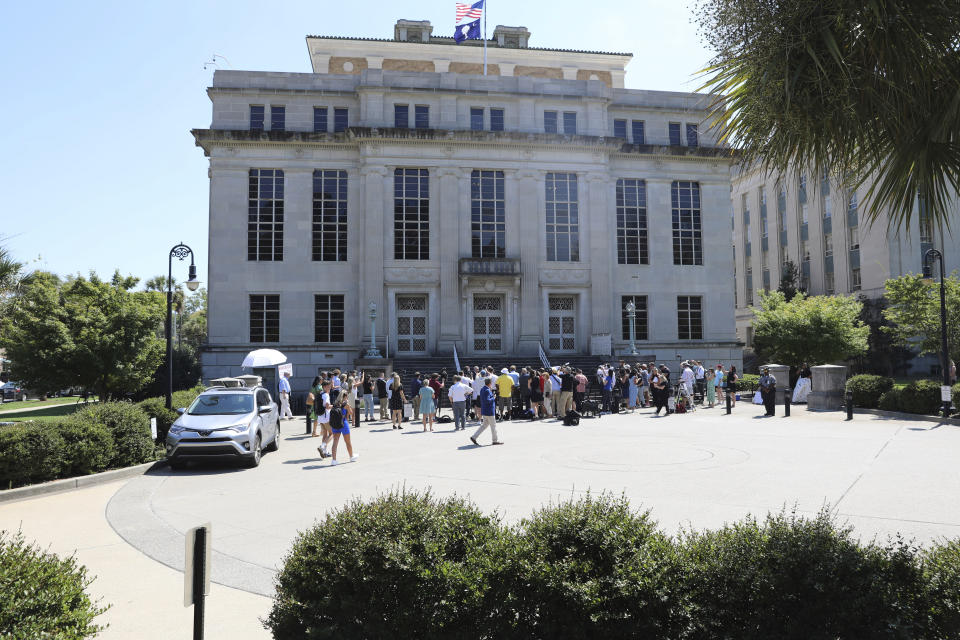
157,408
43,595
88,447
130,428
30,452
867,389
890,401
409,565
921,396
748,382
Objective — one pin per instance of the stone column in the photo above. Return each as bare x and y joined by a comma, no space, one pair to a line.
528,210
376,235
447,214
595,229
782,373
828,384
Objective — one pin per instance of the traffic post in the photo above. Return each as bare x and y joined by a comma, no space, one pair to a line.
196,574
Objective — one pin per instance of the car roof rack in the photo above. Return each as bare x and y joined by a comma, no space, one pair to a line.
226,383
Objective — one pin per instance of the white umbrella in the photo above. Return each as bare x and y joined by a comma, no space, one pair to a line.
263,358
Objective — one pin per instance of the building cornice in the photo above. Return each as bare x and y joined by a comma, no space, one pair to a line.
355,137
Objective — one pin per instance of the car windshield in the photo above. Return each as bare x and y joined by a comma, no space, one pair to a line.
221,404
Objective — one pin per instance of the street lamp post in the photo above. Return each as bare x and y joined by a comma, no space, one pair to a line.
373,352
928,257
632,315
180,252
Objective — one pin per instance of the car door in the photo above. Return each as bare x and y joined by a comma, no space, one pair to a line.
268,424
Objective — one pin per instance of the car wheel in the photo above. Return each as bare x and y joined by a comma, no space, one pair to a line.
254,460
273,446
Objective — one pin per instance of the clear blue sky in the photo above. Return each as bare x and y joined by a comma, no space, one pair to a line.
99,170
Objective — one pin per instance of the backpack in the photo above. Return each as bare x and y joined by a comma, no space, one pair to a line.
334,396
571,419
336,418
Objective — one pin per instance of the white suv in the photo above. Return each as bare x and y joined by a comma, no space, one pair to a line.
225,422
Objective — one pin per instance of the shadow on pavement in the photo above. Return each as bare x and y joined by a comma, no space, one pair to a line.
199,468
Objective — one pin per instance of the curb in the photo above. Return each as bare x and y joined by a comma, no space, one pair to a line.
81,482
907,416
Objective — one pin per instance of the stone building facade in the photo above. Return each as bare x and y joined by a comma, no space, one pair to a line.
819,225
491,213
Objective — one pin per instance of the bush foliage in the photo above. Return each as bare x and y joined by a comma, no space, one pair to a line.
867,389
129,426
921,396
42,595
410,565
157,408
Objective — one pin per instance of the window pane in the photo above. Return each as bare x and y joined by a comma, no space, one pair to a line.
569,122
620,129
278,118
550,121
401,116
562,227
632,222
411,227
496,119
638,133
687,232
320,119
329,215
476,119
256,117
422,117
675,134
339,119
265,214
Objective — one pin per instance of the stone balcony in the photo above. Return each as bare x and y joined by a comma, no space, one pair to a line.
489,267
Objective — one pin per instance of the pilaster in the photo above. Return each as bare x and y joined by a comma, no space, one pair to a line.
449,221
597,224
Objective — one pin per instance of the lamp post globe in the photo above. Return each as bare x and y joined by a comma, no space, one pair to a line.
180,252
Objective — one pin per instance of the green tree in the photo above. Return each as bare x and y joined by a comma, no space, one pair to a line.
914,314
817,329
84,332
867,88
789,280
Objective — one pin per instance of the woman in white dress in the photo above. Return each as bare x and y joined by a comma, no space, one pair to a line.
803,388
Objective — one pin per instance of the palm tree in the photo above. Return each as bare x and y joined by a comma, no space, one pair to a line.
869,89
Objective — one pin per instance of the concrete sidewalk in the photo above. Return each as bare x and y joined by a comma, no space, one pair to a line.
146,596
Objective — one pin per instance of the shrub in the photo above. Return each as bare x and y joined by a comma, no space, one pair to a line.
405,565
30,452
157,408
921,396
42,595
183,398
591,568
867,389
130,428
941,567
88,447
749,382
791,578
890,401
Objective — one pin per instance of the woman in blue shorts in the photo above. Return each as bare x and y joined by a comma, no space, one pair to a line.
342,430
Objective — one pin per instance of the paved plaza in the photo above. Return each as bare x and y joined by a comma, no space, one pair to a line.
697,470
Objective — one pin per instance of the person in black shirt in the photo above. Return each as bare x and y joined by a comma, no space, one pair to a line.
367,387
382,396
567,385
525,388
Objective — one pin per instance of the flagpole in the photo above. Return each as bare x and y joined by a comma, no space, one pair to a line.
485,6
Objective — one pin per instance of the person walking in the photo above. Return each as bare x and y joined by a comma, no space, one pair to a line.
382,395
427,406
313,396
349,389
285,413
505,394
732,379
608,383
340,428
768,391
323,404
488,413
711,389
396,401
656,390
459,393
367,387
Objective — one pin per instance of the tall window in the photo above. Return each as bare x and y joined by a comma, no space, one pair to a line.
828,245
265,215
782,211
829,283
802,197
620,129
674,129
421,116
339,119
550,121
264,318
689,318
748,288
401,116
632,222
411,214
638,134
570,122
320,119
330,215
854,239
487,217
762,196
496,119
278,117
563,219
256,117
328,318
855,279
747,252
693,138
827,207
640,321
476,118
687,231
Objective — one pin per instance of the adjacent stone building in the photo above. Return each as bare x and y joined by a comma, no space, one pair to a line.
492,213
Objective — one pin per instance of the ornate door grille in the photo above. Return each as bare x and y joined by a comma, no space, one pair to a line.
562,323
487,324
412,324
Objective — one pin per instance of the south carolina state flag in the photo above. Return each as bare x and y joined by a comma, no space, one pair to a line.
468,30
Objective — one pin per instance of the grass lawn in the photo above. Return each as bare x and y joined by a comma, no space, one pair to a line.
46,413
30,404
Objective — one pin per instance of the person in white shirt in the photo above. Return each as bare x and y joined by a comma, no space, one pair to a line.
699,373
458,398
687,377
285,413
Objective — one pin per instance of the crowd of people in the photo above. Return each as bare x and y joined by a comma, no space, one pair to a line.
486,396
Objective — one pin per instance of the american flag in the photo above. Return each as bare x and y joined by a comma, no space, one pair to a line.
469,12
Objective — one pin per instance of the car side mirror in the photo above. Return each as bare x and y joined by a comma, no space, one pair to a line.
264,409
181,411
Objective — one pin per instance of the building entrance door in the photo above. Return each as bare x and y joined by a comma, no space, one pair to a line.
411,324
487,324
562,323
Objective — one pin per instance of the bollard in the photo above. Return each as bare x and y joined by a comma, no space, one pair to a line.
849,400
726,395
786,402
356,410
